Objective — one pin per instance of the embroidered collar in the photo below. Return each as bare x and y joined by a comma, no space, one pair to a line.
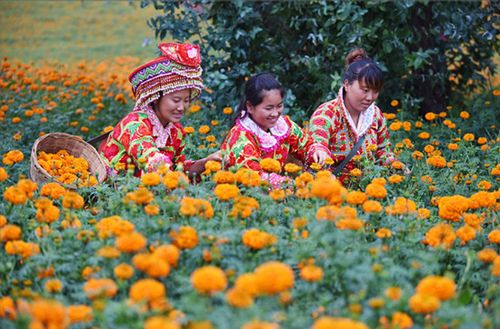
365,118
268,140
161,133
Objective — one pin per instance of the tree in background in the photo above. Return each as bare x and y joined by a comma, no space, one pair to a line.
427,49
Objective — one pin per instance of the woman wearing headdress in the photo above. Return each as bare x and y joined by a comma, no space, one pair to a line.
352,121
262,132
152,135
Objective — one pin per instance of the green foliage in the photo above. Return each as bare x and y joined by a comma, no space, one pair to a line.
305,42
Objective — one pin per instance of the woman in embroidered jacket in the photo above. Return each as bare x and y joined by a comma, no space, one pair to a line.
337,125
261,131
151,135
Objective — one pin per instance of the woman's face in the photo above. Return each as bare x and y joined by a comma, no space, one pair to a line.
267,113
171,107
358,97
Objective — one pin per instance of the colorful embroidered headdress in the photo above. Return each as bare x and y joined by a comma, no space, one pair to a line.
177,68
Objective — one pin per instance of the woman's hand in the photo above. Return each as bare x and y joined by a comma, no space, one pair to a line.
320,156
216,156
199,166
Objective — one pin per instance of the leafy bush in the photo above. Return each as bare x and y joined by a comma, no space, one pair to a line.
426,48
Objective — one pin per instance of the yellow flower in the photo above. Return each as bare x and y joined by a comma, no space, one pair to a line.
401,320
311,273
356,197
150,179
464,115
429,116
208,280
72,200
227,110
204,129
131,242
147,290
15,195
3,174
256,239
440,235
185,238
424,303
394,103
94,288
11,157
383,233
326,322
79,313
440,287
123,271
274,277
238,298
469,137
270,165
53,286
393,293
226,191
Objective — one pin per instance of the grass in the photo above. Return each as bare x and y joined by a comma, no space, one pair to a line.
71,31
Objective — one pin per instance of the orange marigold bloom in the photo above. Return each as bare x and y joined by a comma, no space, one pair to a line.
440,235
247,283
466,233
469,137
7,308
53,286
131,242
256,239
394,293
495,269
260,325
24,249
147,290
196,207
452,207
270,165
402,206
185,237
436,161
396,179
274,277
424,303
277,194
72,200
224,177
311,273
15,195
226,191
356,197
423,213
104,287
383,233
28,186
349,224
11,157
152,209
10,232
208,280
48,314
123,271
3,174
424,135
3,221
113,226
52,190
151,179
440,287
169,253
487,255
248,177
152,265
292,168
494,236
372,206
79,313
238,298
429,116
160,322
377,191
401,320
328,188
108,252
326,322
175,179
482,199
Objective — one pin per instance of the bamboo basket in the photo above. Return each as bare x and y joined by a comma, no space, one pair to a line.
77,147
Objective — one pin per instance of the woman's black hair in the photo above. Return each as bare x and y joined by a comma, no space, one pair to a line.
254,89
359,67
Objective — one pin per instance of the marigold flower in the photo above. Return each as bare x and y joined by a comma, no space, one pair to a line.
227,110
160,322
487,255
208,280
131,242
466,233
123,271
104,287
423,213
185,238
436,161
371,206
425,304
429,116
424,135
482,199
48,314
152,265
238,298
169,253
147,290
151,179
10,232
270,165
196,207
393,293
13,156
175,179
7,308
329,189
72,200
356,197
440,287
256,239
79,313
401,320
277,194
3,221
326,322
311,273
226,191
396,179
15,195
292,168
247,283
260,325
495,269
204,129
440,235
3,174
383,233
113,226
274,277
452,207
53,286
52,190
468,137
402,206
349,224
494,236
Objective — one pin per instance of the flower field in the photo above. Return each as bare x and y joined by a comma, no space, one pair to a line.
387,250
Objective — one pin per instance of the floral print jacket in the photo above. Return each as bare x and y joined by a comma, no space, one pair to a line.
139,139
333,131
247,144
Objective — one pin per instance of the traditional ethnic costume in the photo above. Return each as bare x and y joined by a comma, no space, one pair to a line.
139,139
334,132
247,144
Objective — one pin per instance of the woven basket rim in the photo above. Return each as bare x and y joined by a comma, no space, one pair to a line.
77,139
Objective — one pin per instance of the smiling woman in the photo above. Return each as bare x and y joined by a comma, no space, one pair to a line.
151,135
